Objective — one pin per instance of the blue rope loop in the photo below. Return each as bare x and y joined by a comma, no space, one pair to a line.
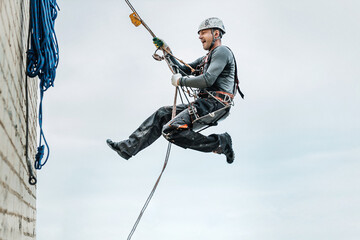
43,58
39,156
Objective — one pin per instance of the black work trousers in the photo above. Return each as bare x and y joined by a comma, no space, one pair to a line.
177,130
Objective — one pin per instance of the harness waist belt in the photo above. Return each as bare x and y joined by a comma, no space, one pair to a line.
223,96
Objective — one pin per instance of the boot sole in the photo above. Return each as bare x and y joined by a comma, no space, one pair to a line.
123,155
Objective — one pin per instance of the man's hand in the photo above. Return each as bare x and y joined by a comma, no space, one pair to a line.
159,43
175,79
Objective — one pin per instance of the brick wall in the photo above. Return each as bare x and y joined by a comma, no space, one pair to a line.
17,196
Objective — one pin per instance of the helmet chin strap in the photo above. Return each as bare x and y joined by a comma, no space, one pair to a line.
214,39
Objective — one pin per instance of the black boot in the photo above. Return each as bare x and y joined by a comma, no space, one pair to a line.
116,146
226,147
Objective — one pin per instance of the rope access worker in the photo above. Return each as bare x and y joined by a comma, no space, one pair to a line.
216,81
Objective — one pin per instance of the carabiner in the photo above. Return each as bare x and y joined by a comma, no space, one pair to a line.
157,57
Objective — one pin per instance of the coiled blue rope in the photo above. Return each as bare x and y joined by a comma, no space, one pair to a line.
42,58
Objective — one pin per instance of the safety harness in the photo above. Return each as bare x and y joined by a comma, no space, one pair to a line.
201,123
201,68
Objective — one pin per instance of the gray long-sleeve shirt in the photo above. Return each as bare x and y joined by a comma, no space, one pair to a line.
218,75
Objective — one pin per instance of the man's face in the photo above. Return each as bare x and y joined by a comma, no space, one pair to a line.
206,38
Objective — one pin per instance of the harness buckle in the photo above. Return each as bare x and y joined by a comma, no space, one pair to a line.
193,111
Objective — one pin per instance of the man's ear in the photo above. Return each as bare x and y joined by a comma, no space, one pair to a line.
217,33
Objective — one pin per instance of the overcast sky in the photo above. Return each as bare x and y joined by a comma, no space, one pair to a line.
296,135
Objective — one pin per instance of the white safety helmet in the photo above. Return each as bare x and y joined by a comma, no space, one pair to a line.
212,22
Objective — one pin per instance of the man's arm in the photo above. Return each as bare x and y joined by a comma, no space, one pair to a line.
184,69
219,60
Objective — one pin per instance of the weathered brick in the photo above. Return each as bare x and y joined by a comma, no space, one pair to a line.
17,197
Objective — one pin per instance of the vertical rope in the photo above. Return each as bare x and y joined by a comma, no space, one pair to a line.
32,178
173,114
173,70
151,193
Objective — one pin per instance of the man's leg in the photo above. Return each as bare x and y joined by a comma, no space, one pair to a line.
179,131
146,134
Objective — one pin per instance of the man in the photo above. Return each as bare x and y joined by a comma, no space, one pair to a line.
216,83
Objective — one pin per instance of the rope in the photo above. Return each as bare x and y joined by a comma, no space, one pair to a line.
32,178
173,114
158,179
173,70
168,52
42,58
142,21
151,193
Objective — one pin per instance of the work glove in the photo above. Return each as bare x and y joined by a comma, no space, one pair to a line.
159,43
175,79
